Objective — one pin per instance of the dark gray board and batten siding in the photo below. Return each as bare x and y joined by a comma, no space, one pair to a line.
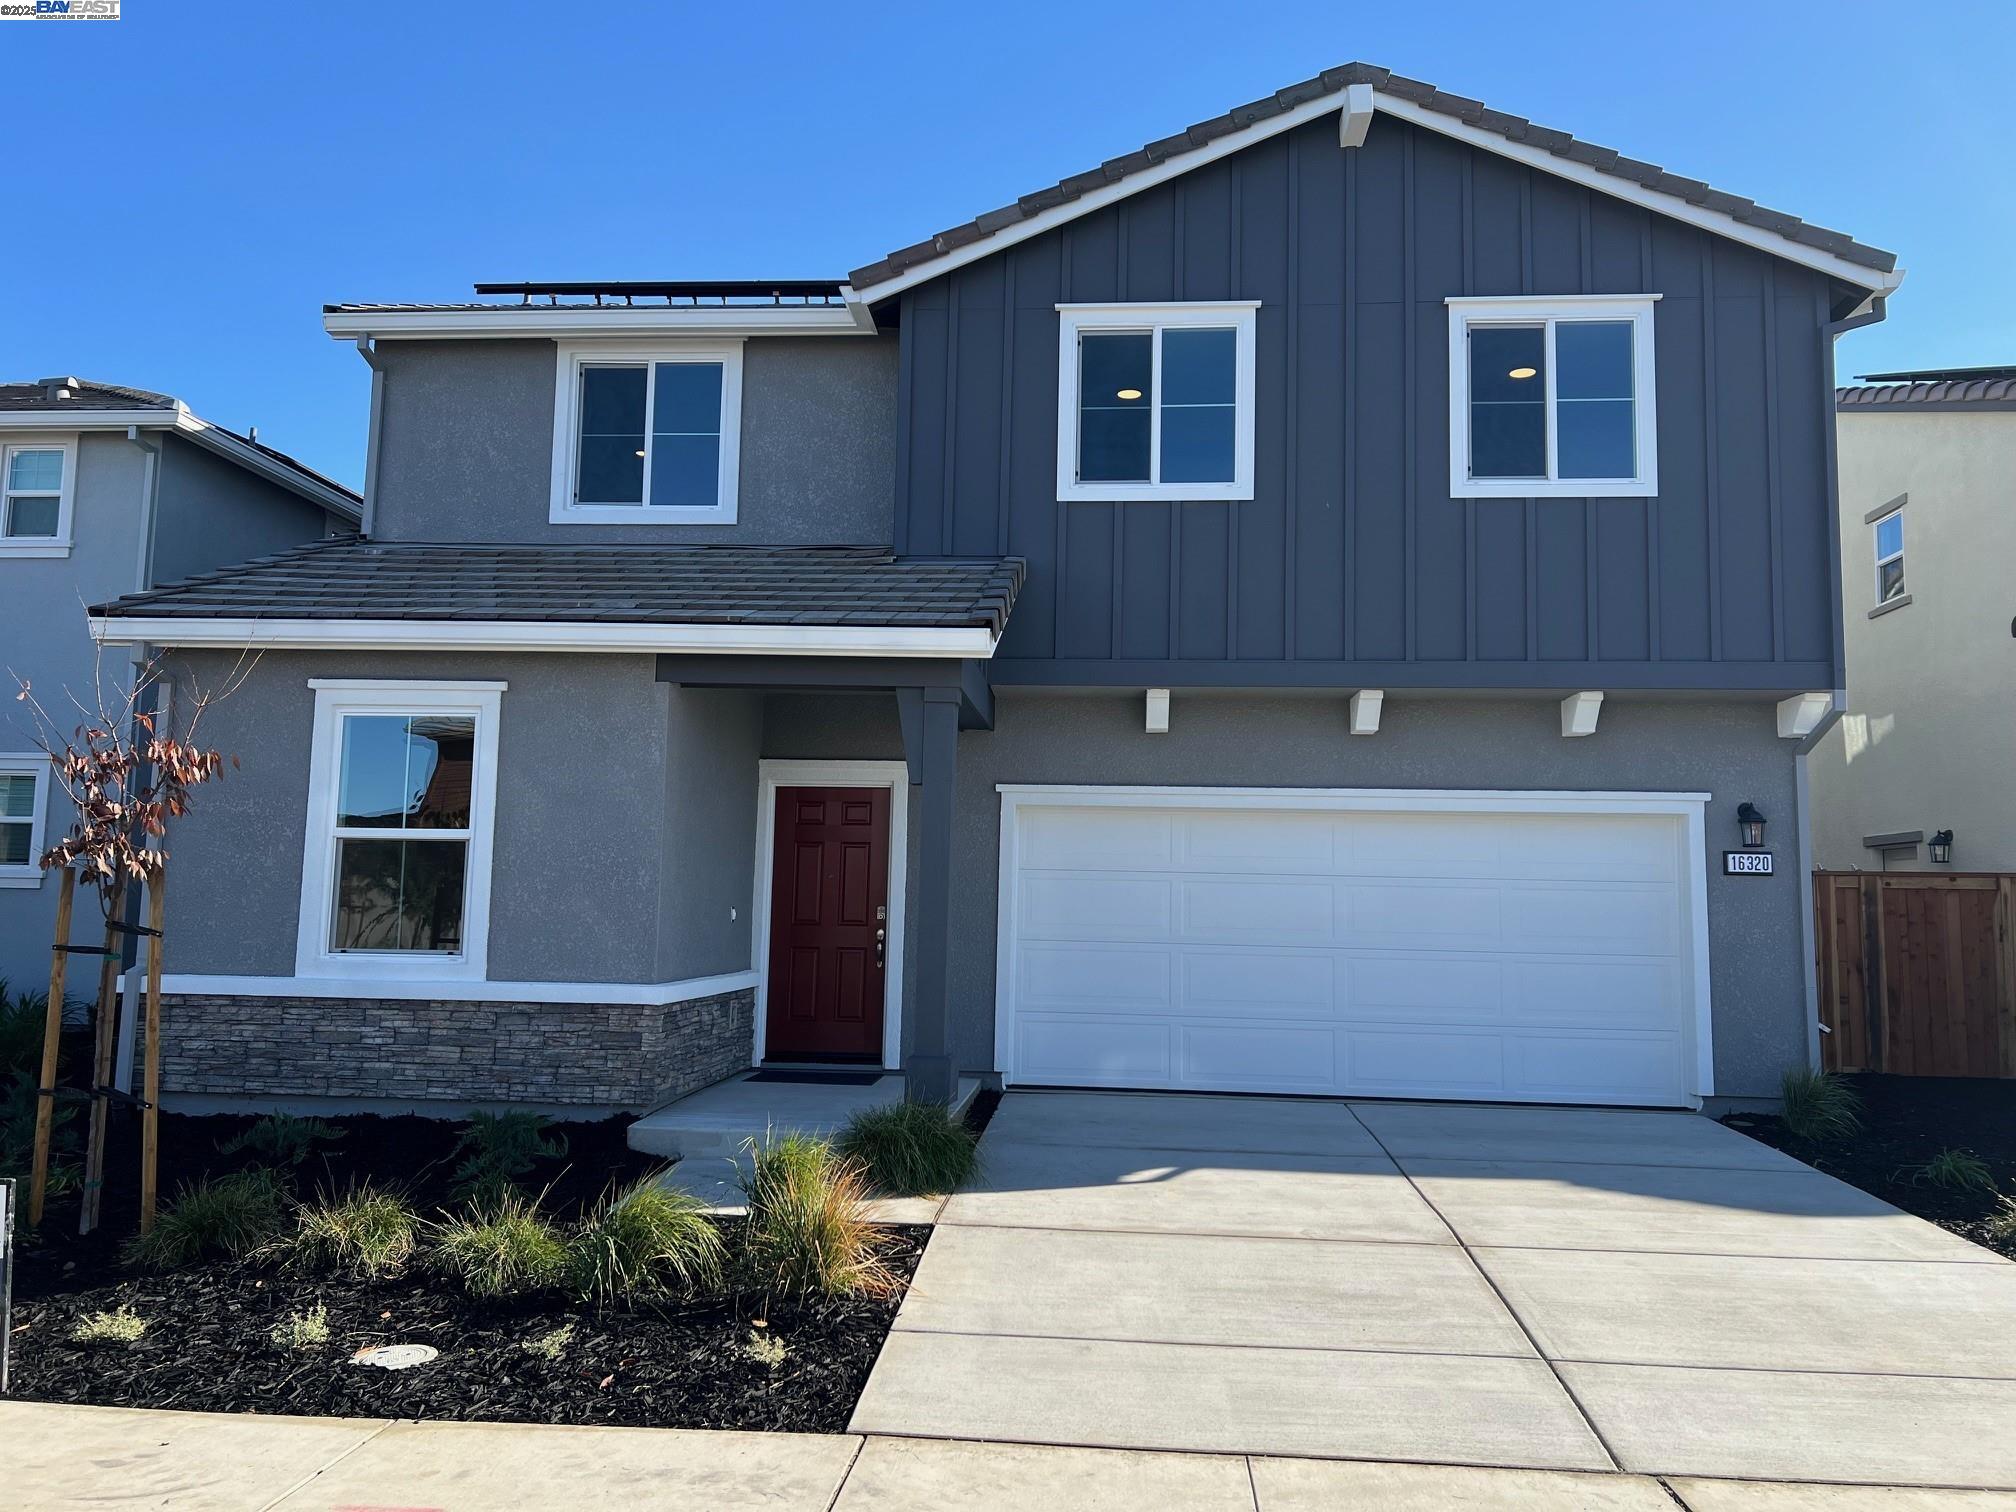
1352,566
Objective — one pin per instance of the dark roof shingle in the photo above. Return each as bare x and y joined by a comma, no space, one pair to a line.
353,579
78,394
1428,97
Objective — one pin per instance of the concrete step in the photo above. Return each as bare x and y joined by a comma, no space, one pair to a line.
720,1122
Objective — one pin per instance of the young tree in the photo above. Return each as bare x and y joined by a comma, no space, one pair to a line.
127,769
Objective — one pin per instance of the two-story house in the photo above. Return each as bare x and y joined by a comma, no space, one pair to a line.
1915,775
1297,608
107,490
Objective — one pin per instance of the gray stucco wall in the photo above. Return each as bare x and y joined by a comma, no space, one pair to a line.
466,445
210,513
1730,749
587,760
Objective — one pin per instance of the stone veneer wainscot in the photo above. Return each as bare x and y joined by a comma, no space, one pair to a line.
606,1055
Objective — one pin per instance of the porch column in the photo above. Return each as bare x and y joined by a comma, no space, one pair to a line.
930,720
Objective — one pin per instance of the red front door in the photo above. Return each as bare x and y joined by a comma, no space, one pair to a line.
829,896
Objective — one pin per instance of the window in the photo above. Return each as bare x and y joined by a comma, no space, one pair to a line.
24,793
35,488
1552,397
1155,401
402,787
1890,557
647,435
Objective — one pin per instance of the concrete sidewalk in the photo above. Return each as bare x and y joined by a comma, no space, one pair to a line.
87,1459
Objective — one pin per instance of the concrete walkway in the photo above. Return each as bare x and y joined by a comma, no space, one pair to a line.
1565,1290
88,1459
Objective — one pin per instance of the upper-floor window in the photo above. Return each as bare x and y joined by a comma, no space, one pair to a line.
24,784
35,488
647,435
1890,557
1155,401
1552,397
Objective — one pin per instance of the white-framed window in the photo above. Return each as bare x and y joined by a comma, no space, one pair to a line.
647,434
38,475
1155,401
402,797
24,803
1889,536
1552,396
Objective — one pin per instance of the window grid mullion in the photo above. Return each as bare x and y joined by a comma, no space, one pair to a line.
1552,473
650,408
1155,405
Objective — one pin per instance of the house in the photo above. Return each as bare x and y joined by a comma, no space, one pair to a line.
1296,608
108,490
1925,746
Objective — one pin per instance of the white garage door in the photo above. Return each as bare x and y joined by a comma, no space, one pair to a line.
1376,945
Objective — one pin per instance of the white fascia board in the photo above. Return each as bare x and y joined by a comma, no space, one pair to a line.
154,418
851,318
502,635
1672,205
1355,800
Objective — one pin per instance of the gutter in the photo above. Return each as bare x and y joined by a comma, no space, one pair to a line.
369,352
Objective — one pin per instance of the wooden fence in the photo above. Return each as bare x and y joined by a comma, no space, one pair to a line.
1917,972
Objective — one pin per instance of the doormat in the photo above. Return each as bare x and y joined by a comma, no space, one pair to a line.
820,1078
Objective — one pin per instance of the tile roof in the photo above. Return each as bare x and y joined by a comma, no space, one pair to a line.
353,579
79,394
1973,393
1428,97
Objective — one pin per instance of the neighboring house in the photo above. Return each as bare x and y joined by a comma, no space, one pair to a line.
1928,539
1295,609
107,490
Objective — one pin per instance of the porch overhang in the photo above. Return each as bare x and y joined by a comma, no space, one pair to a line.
905,677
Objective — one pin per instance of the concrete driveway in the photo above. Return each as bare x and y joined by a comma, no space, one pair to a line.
1566,1289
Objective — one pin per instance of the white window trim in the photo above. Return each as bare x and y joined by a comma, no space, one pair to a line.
1075,319
1876,550
334,698
59,544
773,774
573,356
1465,312
29,764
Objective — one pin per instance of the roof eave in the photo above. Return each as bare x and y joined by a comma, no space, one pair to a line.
1349,99
851,317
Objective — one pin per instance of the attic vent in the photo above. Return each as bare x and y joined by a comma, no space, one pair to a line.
59,388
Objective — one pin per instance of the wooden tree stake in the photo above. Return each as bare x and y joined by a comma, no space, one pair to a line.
52,1041
104,1045
150,1115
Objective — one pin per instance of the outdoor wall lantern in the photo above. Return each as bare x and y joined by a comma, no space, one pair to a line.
1941,846
1750,820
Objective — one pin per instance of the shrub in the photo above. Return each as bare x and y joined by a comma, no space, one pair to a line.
1820,1105
551,1346
1957,1170
765,1348
229,1217
22,1018
283,1139
806,1230
302,1331
366,1233
646,1240
121,1327
498,1151
18,1098
908,1148
2002,1222
501,1250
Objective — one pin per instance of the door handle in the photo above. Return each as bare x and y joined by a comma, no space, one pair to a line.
881,940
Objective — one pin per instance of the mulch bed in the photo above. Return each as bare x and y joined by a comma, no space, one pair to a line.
1907,1120
207,1345
207,1348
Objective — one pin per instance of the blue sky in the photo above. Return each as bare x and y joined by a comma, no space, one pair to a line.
189,185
